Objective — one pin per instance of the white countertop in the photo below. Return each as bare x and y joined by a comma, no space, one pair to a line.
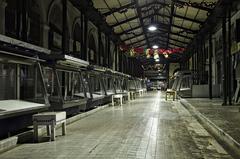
15,105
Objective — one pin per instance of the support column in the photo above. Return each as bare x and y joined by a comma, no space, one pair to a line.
229,58
3,5
224,56
210,66
99,48
24,32
45,35
82,37
85,50
64,27
109,53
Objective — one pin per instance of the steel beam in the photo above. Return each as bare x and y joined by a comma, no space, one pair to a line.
139,12
113,10
224,55
194,6
170,23
229,56
64,27
210,66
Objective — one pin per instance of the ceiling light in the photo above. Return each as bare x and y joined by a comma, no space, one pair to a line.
152,28
155,47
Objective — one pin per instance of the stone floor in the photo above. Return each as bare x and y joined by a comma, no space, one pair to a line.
225,117
148,127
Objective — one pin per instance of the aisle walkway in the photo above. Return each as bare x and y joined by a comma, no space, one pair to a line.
148,127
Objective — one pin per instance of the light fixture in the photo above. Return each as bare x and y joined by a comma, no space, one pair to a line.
155,47
152,28
157,60
165,55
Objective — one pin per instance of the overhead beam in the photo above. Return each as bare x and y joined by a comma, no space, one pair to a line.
161,44
139,12
137,42
130,19
178,40
169,42
113,10
164,31
124,21
170,22
189,19
193,5
173,39
133,37
176,26
129,30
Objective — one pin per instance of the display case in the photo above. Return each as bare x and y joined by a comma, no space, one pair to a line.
182,83
110,82
22,89
95,88
65,85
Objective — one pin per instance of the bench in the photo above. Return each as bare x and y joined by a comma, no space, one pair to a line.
117,96
50,120
171,92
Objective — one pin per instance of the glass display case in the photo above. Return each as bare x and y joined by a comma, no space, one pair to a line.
21,86
182,83
65,88
110,83
93,81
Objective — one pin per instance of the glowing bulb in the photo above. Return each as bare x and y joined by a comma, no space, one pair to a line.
152,28
155,47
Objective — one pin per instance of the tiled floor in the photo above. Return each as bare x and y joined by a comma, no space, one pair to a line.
225,117
148,127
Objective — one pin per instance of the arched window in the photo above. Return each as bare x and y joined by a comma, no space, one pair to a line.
77,41
11,19
35,22
55,32
92,52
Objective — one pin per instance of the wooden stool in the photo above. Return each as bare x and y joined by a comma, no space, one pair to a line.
141,92
50,120
171,92
117,96
132,95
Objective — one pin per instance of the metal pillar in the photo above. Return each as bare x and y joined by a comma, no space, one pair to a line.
85,46
109,62
224,56
210,66
82,37
99,48
24,33
64,27
229,58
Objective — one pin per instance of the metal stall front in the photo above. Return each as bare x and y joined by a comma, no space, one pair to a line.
22,89
182,83
96,92
120,84
65,85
